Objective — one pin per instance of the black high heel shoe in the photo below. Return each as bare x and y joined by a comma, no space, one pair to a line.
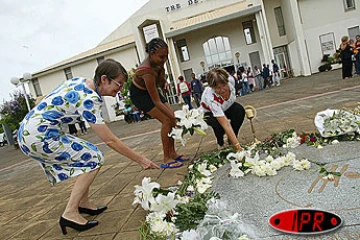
92,212
79,227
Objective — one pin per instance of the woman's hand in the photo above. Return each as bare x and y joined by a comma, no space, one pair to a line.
148,164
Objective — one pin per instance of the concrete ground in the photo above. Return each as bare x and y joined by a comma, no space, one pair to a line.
30,207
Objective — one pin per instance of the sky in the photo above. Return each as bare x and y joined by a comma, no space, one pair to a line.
36,34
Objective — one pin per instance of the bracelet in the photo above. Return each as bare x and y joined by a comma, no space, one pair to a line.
238,144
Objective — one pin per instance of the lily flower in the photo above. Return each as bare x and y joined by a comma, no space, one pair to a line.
144,193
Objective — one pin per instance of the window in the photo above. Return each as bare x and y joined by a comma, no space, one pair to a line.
100,60
218,52
37,88
68,73
183,50
280,21
327,42
249,32
353,31
349,4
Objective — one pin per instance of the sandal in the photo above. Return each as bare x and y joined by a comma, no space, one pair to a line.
170,165
180,159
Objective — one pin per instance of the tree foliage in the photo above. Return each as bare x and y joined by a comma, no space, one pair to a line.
13,112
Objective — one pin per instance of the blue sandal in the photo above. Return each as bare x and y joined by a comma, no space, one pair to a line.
169,165
182,160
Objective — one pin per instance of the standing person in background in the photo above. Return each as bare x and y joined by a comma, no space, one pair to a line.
357,54
61,155
146,96
258,77
251,79
82,127
185,91
219,105
136,114
196,89
266,76
245,83
345,55
72,129
232,78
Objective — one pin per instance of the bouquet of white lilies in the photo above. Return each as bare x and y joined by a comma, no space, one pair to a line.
189,121
331,123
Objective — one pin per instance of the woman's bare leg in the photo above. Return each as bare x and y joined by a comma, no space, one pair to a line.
166,127
81,187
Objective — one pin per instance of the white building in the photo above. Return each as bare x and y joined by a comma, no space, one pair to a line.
202,34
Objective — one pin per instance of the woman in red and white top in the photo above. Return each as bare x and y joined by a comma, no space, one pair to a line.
219,105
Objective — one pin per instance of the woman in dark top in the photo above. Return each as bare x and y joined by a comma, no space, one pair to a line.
146,96
345,55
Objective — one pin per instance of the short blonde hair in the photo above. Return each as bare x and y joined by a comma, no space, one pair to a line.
344,39
217,76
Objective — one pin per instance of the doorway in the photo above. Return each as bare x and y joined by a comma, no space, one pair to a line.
255,60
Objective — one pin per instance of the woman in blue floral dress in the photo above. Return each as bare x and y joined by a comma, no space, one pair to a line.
42,136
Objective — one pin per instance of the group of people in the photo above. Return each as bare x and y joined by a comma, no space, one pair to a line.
349,54
247,81
131,114
188,90
62,155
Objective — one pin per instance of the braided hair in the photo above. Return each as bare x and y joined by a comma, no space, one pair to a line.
155,44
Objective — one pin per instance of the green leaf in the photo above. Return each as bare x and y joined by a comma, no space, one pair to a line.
33,147
26,133
72,171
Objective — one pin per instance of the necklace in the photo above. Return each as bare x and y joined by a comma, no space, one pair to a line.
97,90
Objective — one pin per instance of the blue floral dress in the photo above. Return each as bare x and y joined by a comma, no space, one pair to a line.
42,135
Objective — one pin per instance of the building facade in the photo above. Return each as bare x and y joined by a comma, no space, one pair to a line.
203,34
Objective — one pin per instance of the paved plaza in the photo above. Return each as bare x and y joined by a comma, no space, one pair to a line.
30,207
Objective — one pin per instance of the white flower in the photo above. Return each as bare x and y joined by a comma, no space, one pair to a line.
155,217
329,177
259,171
144,193
183,199
278,163
269,170
289,158
235,170
299,165
320,147
176,134
190,188
238,155
215,238
190,166
179,183
305,164
203,184
190,235
163,229
164,203
212,168
269,159
202,168
293,142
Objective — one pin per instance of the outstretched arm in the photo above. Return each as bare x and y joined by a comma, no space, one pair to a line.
103,131
224,122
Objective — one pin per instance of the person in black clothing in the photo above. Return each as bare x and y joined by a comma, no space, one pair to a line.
82,127
266,76
196,89
345,55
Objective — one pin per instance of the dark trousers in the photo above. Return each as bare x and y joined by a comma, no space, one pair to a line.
82,127
267,82
72,129
187,100
347,68
235,113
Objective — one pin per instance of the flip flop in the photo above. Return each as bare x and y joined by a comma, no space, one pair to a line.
180,159
169,165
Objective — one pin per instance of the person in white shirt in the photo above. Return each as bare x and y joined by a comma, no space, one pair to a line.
219,105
